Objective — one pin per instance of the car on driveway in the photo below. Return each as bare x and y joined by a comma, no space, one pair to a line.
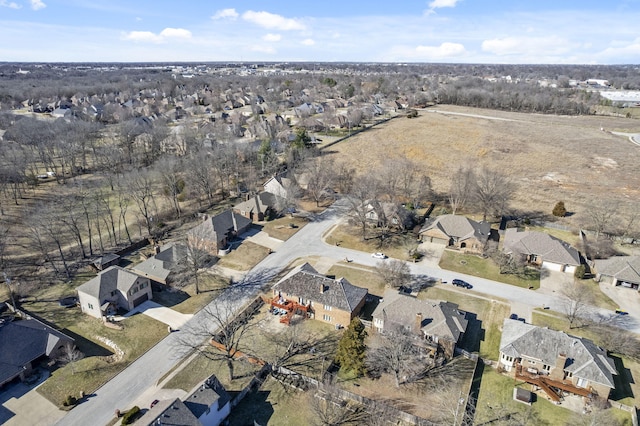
460,283
513,316
378,255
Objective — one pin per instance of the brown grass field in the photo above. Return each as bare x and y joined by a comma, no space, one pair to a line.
549,158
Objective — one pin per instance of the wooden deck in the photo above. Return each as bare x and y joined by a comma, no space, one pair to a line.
550,386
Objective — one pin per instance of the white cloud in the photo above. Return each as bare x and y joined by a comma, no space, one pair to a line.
37,4
150,37
263,49
225,13
445,50
308,42
175,33
621,50
272,21
437,4
528,46
10,5
272,37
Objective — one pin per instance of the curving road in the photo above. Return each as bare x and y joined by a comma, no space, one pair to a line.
145,372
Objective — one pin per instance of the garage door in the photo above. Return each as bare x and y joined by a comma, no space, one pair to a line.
141,299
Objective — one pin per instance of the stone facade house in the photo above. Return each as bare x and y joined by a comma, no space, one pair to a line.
437,322
215,233
334,301
259,207
161,266
458,232
542,250
619,270
555,362
114,288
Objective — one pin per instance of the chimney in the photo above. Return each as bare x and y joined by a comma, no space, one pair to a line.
418,325
557,373
156,249
205,217
321,288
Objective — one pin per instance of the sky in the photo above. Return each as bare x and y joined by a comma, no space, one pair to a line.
429,31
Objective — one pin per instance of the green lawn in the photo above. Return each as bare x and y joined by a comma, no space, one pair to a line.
486,268
139,335
396,246
244,257
361,276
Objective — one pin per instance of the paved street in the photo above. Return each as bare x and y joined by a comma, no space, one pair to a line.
143,374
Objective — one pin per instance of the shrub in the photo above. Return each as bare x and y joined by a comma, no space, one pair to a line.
69,401
580,272
559,210
130,415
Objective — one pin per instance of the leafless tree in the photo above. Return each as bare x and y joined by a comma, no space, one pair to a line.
331,410
170,172
461,188
320,179
491,191
200,172
68,355
141,188
344,174
576,304
224,322
196,258
71,216
395,273
397,354
363,191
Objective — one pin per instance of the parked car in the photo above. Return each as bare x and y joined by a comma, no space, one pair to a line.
153,403
460,283
378,255
621,312
513,316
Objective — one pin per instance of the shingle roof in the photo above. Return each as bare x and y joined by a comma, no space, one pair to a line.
623,268
216,228
112,278
551,249
259,203
163,263
304,281
459,227
23,341
439,318
208,392
584,358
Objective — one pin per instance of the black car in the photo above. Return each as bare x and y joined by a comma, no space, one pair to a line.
460,283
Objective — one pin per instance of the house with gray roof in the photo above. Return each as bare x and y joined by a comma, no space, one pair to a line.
391,215
458,232
114,288
541,250
619,270
23,342
334,301
259,207
437,322
208,404
161,266
556,361
214,233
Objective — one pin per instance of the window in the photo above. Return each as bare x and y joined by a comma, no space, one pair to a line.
301,300
90,305
546,367
581,383
113,293
326,318
327,307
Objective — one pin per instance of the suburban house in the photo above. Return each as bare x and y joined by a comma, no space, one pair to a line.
555,361
334,301
388,215
259,207
279,185
214,233
114,288
619,270
457,231
160,267
541,250
439,323
207,405
24,342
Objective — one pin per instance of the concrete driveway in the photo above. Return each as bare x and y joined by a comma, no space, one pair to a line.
161,313
627,299
432,253
263,239
22,405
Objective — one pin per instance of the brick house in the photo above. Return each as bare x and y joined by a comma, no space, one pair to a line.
214,233
458,232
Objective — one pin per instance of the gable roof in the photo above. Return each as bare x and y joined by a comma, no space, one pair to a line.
584,358
304,281
551,249
103,260
112,278
218,227
23,341
259,203
623,268
162,264
459,227
442,319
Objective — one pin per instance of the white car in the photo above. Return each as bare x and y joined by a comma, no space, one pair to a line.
379,255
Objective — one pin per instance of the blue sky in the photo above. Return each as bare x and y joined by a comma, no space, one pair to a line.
460,31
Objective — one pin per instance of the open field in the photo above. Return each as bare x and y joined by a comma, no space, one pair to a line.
550,158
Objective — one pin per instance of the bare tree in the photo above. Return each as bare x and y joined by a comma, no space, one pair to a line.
331,410
197,257
397,354
170,172
226,324
395,273
68,355
491,191
141,188
363,191
461,188
200,172
576,304
320,179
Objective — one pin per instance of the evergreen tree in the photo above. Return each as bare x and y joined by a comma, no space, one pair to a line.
351,349
559,210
